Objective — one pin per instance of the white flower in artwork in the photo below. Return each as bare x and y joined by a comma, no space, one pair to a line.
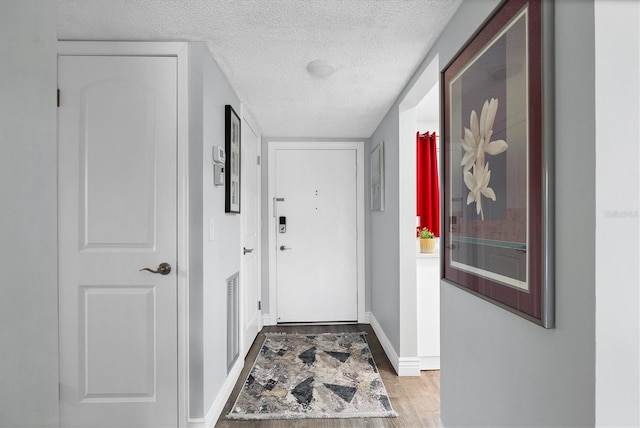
478,185
477,142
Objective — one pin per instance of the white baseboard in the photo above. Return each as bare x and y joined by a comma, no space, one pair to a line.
429,363
404,366
409,366
196,423
268,319
225,392
384,341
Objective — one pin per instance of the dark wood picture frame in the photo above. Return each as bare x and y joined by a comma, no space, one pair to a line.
498,162
232,176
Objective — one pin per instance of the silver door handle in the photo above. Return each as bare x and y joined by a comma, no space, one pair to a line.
246,250
282,248
163,269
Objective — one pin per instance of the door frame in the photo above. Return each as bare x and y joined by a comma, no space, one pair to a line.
179,50
249,121
358,146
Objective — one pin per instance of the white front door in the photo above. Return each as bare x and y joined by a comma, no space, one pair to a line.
316,235
250,215
117,215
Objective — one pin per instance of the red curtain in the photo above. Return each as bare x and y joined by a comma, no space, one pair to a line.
428,190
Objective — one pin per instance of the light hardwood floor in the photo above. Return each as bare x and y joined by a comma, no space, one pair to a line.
415,399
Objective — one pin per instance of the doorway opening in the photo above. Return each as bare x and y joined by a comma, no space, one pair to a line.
419,112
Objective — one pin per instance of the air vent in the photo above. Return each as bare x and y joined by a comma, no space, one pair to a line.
233,320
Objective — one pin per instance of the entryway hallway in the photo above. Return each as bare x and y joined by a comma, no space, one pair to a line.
415,399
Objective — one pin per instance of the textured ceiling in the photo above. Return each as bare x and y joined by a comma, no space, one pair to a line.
264,46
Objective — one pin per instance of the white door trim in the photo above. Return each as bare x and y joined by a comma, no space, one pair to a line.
179,50
248,120
358,146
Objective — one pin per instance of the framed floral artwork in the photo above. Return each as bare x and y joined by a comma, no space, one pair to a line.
232,167
498,162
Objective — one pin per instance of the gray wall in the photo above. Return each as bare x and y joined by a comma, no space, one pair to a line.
498,369
196,234
210,262
221,257
28,215
384,237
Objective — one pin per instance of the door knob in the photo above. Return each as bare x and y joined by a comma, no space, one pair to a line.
163,269
246,250
282,248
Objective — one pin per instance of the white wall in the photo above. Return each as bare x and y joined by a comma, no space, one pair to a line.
28,215
428,266
428,126
617,183
429,111
210,262
409,364
497,368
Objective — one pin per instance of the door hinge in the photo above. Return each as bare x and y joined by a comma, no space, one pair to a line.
58,98
258,159
259,305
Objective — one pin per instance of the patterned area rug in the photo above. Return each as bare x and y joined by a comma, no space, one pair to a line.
313,376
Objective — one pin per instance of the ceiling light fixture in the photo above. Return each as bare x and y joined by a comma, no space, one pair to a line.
321,68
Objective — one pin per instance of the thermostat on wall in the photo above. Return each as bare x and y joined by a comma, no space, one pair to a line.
218,174
218,154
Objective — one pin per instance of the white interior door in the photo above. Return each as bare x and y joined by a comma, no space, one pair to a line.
117,214
316,260
250,214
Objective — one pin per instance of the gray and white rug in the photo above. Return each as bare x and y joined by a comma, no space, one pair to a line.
313,376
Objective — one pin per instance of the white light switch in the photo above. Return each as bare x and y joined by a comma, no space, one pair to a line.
210,229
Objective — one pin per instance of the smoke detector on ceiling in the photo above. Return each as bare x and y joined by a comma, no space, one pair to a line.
321,68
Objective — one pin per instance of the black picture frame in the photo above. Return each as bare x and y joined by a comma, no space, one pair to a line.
232,147
498,162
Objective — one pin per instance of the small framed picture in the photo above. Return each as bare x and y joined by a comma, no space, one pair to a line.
377,178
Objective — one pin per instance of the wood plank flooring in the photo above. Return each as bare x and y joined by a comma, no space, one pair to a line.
415,399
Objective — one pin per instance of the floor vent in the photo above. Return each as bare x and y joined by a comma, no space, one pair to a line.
233,320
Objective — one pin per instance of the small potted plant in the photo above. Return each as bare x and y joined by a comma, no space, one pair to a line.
427,241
